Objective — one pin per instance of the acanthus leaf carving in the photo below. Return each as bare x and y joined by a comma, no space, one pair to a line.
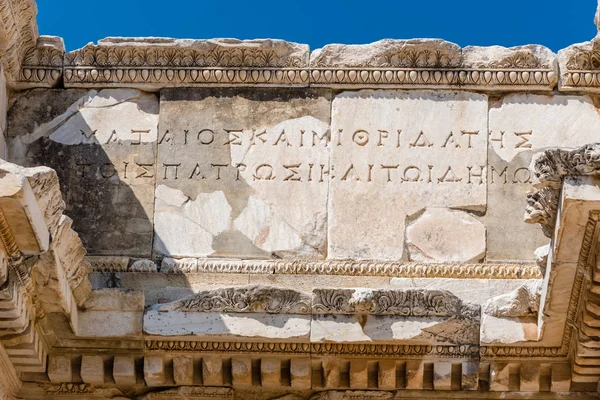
550,168
254,298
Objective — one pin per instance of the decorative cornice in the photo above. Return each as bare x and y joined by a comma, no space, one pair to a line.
155,63
329,267
550,168
42,65
398,302
170,63
580,67
427,63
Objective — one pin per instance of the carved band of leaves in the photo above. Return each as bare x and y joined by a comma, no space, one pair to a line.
368,350
582,79
186,75
417,76
244,299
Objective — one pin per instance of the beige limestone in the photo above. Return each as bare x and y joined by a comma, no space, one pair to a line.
388,152
442,235
92,370
183,370
154,371
241,372
212,371
300,373
59,369
442,376
386,377
237,179
124,370
270,372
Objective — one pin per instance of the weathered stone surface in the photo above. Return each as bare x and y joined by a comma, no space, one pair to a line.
102,145
238,179
92,370
578,67
388,152
520,126
214,325
521,302
185,63
475,291
442,235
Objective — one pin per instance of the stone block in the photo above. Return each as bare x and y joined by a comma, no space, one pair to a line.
331,373
442,375
560,378
102,323
270,372
444,235
522,125
124,370
470,375
236,178
183,370
529,375
300,373
387,147
92,370
60,369
102,145
212,371
241,372
414,374
499,377
154,370
386,375
359,374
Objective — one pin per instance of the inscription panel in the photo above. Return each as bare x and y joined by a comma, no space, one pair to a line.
396,153
102,145
520,126
242,173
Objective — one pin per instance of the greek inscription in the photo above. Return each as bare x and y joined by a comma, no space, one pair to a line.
175,170
498,139
476,175
421,141
218,167
234,137
108,170
139,136
145,172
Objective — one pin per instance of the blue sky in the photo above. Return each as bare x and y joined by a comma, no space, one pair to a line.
553,23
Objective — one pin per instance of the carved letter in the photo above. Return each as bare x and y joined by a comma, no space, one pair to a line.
474,175
449,176
421,141
139,138
382,135
258,136
454,142
501,139
282,138
469,136
526,175
146,171
166,167
294,176
360,137
350,169
266,175
209,140
524,143
388,168
321,138
219,169
167,137
503,173
236,139
197,171
409,176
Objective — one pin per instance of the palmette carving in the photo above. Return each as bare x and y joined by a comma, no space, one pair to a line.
550,168
255,298
413,303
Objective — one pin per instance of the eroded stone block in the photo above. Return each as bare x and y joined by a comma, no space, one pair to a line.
92,369
60,369
212,371
395,153
444,235
270,372
154,370
300,373
520,126
124,370
102,145
183,370
241,372
242,173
